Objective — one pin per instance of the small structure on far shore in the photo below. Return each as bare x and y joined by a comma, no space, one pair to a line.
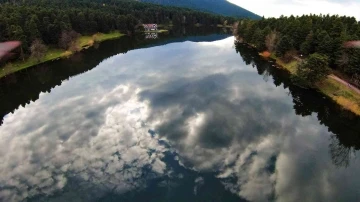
150,27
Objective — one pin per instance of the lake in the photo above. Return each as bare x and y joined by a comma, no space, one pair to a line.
189,116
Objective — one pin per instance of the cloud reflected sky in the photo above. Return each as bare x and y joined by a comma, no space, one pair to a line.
113,130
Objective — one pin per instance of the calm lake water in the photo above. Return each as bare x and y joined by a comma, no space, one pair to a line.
179,118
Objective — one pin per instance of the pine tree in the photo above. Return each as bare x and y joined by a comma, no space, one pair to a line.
307,47
325,43
31,27
285,44
314,68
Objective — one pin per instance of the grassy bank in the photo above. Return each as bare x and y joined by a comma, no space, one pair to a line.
339,92
54,54
158,31
224,26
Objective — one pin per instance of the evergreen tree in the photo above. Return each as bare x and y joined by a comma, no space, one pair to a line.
31,27
307,47
47,19
314,68
325,43
285,45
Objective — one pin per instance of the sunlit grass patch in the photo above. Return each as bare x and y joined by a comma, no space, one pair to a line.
348,104
341,94
334,88
157,31
66,54
84,41
290,66
103,37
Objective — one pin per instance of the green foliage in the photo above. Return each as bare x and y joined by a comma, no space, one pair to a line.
308,46
325,45
308,34
349,61
285,45
259,39
31,28
314,68
48,19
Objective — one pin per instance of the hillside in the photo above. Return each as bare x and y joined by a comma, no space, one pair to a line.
221,7
58,23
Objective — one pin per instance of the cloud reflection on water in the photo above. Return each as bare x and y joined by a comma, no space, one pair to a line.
91,136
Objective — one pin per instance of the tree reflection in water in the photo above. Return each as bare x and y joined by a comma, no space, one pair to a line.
344,124
23,87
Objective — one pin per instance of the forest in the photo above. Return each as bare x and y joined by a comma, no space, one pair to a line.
56,23
320,39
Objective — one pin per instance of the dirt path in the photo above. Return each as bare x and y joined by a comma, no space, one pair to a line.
336,78
345,83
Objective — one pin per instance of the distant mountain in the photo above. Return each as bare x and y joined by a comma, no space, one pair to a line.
221,7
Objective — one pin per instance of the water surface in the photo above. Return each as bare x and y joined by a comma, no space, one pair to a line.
184,121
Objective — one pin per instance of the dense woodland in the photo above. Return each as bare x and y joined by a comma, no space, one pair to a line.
55,21
320,38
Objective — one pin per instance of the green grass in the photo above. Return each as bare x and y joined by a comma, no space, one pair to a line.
19,65
340,93
103,37
52,54
158,31
291,66
226,26
84,41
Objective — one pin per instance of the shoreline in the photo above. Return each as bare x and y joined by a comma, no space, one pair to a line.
157,31
339,92
83,42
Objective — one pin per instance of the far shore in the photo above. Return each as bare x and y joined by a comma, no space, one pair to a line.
83,42
52,54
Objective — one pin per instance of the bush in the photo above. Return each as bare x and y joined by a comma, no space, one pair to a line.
38,49
68,39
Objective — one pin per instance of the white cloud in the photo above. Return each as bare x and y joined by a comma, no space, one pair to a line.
276,8
111,158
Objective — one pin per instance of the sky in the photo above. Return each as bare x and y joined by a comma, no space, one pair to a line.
275,8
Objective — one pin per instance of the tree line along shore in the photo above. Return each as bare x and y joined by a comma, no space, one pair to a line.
315,49
51,29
